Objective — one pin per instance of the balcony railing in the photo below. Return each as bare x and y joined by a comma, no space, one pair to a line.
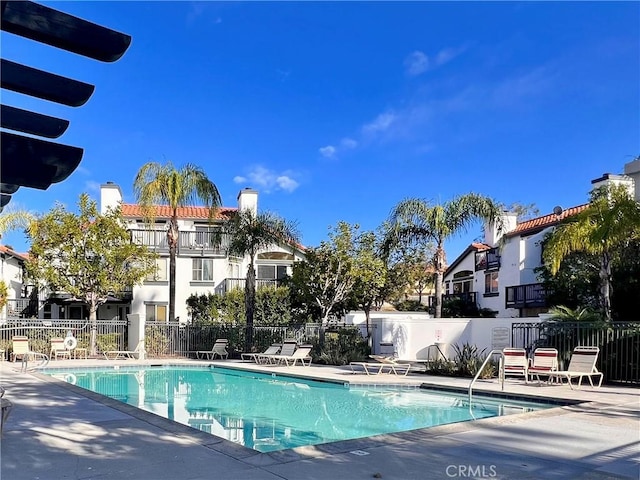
465,297
22,307
238,283
531,295
488,259
188,242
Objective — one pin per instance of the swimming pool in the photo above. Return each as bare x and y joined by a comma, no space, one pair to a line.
267,412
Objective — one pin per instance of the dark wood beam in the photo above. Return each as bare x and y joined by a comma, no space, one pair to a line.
33,123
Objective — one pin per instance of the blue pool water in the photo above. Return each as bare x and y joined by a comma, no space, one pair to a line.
268,413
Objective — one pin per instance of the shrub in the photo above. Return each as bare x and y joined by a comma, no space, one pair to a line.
340,347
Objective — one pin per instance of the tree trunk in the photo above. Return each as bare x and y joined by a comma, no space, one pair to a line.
93,319
250,305
172,239
605,285
440,267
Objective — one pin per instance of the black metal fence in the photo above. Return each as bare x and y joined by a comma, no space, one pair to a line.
619,344
110,334
164,339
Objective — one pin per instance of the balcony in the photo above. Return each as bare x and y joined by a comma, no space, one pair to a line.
488,259
22,307
465,297
531,295
229,284
203,242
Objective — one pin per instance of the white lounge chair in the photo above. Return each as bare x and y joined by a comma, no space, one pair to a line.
219,348
300,354
544,361
514,361
58,349
582,364
254,357
287,349
383,364
126,354
19,347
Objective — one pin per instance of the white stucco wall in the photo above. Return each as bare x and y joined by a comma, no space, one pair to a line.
413,334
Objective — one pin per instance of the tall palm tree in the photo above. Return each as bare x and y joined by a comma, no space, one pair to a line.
611,220
157,184
248,233
415,219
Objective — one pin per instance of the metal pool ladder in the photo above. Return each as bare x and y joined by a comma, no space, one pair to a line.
484,364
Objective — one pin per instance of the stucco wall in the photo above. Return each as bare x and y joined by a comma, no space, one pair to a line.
413,334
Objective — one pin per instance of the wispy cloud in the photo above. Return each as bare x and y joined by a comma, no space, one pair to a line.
91,186
380,124
328,151
268,181
348,143
418,62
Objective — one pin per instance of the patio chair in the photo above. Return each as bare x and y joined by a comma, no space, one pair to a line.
383,363
514,361
287,349
219,348
301,353
5,409
58,349
582,364
126,354
19,347
544,361
253,357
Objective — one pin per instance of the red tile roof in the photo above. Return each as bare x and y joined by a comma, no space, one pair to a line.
545,221
9,251
164,211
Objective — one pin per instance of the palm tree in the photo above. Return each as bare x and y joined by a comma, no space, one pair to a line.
611,220
157,184
414,220
14,219
248,233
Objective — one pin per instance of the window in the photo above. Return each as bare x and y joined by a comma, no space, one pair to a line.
160,273
272,272
491,282
234,270
156,312
202,270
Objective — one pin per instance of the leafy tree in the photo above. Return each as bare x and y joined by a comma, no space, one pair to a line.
87,255
418,220
410,268
611,220
370,272
157,184
248,233
326,278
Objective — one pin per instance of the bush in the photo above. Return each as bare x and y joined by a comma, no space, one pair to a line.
469,359
340,347
410,306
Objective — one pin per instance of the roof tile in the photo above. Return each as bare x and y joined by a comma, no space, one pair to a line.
545,221
130,210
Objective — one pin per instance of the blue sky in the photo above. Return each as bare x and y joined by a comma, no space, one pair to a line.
339,110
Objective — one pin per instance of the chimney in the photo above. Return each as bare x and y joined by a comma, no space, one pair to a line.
491,234
248,200
632,169
110,197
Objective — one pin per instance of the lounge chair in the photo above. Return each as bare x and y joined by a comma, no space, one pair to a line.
383,364
19,347
301,353
5,409
126,354
514,362
544,361
219,348
58,349
287,349
253,357
582,364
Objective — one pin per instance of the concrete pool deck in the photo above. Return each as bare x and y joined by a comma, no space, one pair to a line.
59,431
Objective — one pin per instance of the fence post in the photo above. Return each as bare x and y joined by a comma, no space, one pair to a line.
136,332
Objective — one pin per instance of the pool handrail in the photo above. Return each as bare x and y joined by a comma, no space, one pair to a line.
44,361
486,360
